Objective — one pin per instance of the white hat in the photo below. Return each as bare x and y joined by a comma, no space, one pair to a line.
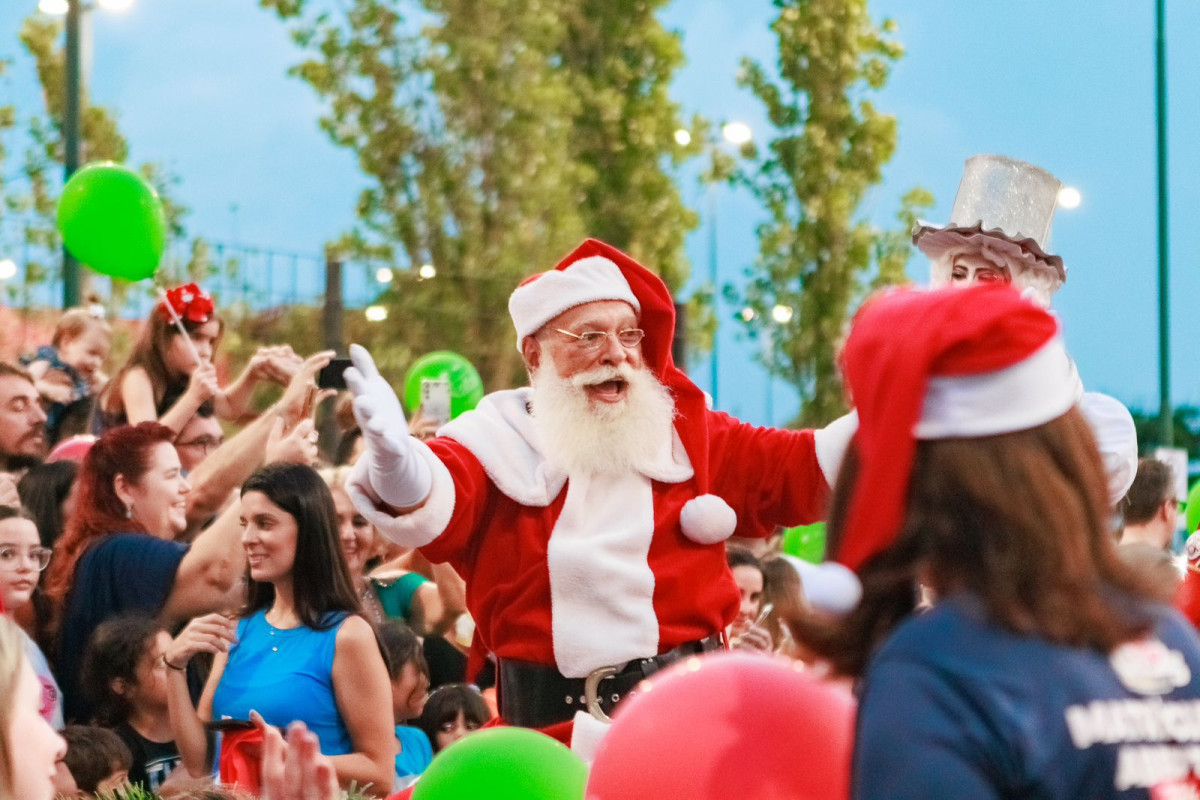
542,297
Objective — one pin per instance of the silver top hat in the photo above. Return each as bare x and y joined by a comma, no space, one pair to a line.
999,197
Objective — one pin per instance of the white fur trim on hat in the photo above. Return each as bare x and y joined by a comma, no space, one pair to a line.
829,586
1030,393
707,519
545,296
1116,437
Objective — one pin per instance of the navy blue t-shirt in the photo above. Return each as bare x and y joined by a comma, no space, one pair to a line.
120,574
952,706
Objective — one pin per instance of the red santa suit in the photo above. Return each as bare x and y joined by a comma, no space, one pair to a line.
580,572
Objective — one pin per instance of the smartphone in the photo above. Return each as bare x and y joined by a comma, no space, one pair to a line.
224,725
333,374
762,615
435,399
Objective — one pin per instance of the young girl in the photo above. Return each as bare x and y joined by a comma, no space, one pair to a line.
22,559
126,681
164,381
453,711
303,651
68,369
410,688
30,750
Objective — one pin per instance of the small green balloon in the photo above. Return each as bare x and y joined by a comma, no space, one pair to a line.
504,764
806,541
1193,509
466,387
112,220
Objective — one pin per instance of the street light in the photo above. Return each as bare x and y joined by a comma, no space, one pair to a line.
782,314
8,269
427,271
383,275
683,138
735,133
1069,198
73,9
375,313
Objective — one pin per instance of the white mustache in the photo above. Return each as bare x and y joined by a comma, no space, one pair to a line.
600,375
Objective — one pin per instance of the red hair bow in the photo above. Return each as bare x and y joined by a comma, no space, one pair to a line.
190,302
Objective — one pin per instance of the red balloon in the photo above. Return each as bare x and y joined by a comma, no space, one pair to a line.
728,726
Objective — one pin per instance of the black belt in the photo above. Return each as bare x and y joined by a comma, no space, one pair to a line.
536,695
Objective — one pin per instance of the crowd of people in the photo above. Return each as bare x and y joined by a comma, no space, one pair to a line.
215,617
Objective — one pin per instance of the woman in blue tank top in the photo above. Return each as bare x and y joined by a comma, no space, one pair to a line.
301,651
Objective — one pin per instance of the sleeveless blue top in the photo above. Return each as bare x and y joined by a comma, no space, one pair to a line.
284,675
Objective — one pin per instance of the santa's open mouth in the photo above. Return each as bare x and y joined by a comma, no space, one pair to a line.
609,391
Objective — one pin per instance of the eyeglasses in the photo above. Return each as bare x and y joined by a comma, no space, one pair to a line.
11,555
203,444
591,340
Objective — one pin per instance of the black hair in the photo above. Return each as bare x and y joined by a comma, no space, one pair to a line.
93,754
43,490
400,646
446,703
319,572
113,653
736,556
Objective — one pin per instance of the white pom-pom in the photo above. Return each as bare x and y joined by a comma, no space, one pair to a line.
829,586
707,519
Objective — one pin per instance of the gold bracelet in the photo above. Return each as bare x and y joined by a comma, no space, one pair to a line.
169,665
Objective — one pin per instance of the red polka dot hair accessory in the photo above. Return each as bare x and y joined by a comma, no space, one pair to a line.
190,303
949,363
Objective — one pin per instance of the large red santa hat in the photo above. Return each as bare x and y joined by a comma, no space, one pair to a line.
941,364
596,271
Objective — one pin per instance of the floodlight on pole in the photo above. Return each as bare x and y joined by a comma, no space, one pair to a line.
375,313
683,138
55,8
1069,198
383,275
8,269
737,133
782,314
427,271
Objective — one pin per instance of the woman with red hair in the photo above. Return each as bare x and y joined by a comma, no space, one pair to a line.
119,553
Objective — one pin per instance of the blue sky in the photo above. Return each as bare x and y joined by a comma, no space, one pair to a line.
200,85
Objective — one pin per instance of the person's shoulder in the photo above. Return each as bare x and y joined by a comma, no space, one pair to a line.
956,626
354,631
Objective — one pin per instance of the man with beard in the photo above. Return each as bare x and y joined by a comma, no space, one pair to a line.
587,512
22,429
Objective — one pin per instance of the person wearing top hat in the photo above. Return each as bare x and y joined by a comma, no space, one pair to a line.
587,513
999,232
1046,669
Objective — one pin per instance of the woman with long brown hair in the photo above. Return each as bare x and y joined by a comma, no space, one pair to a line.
1045,668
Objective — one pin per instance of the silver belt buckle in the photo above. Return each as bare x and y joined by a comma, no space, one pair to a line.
590,688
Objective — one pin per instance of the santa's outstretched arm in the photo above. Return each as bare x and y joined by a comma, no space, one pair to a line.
395,473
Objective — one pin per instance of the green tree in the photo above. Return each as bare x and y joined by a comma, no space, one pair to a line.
100,140
816,255
494,137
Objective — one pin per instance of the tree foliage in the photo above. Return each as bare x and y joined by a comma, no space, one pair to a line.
816,255
35,202
494,136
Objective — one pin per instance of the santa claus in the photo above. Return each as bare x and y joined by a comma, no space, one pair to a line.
587,512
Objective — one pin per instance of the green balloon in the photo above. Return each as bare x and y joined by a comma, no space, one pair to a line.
806,541
112,220
504,764
466,387
1193,509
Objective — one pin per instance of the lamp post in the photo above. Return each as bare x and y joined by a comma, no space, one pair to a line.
1165,427
73,112
737,134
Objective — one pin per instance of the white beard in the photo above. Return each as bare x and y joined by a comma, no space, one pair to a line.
582,437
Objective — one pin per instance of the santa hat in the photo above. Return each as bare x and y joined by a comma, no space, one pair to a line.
597,271
936,365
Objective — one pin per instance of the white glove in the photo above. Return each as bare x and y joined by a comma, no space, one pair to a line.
398,474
